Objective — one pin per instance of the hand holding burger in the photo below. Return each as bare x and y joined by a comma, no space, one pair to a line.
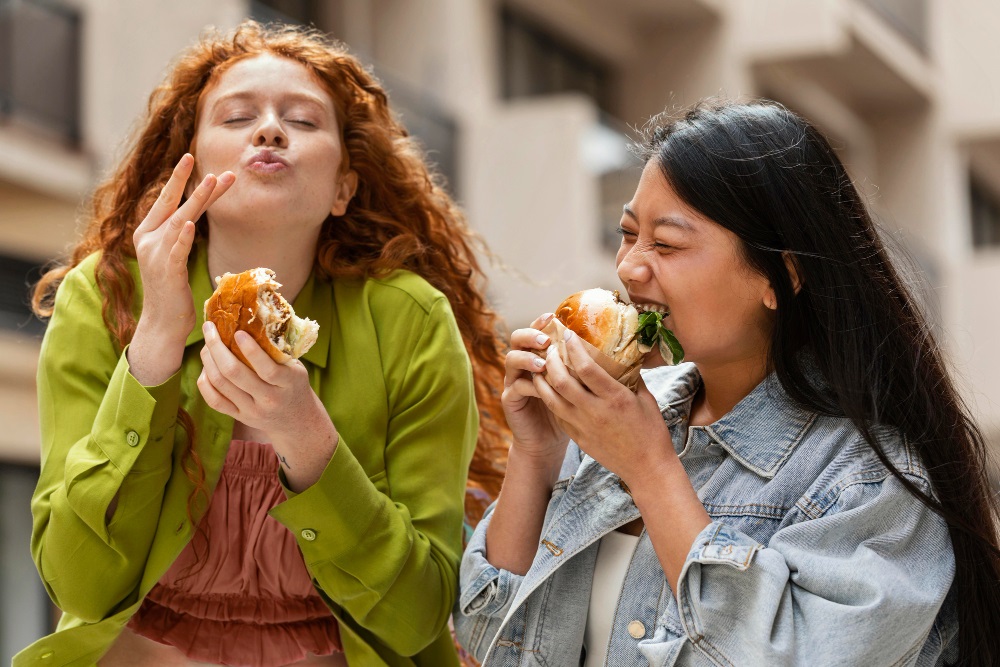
615,333
250,302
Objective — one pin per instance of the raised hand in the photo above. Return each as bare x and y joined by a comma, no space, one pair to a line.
163,241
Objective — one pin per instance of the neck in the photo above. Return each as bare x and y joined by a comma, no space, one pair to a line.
291,257
723,386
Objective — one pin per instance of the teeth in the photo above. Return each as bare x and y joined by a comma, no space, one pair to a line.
655,307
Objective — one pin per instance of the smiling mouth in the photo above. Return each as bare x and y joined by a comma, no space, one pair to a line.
651,308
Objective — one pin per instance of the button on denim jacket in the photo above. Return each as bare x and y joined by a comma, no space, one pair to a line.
816,554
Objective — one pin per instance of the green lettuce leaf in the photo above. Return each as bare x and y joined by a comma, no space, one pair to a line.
651,333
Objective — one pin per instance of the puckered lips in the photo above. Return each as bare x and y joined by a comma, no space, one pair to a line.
266,161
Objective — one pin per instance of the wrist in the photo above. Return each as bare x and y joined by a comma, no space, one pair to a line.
153,357
654,475
541,467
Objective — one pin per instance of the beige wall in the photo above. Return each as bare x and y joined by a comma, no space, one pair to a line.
909,126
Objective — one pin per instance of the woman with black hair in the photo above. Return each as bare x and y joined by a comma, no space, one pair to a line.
810,490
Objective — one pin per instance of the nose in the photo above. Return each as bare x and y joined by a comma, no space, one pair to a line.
270,132
633,268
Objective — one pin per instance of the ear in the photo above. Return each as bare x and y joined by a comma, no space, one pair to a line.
770,300
345,192
794,274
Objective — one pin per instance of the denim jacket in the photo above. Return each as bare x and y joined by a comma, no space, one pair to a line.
816,554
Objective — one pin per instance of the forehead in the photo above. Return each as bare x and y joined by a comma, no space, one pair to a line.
266,75
656,201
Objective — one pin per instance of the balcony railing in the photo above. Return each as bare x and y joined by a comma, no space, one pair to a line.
39,67
908,17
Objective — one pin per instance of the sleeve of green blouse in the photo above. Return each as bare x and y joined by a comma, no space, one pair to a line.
103,436
391,561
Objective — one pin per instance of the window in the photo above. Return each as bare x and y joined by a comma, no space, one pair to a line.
17,275
984,208
39,67
536,62
306,12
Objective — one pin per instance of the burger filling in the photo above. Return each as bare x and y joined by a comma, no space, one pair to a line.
291,334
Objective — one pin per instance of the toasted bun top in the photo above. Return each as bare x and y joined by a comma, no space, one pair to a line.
599,317
235,306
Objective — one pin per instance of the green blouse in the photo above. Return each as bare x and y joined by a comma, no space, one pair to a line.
381,531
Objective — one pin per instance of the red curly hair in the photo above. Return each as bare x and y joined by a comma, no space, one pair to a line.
401,217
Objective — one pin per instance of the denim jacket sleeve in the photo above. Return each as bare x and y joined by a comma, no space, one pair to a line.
873,566
486,592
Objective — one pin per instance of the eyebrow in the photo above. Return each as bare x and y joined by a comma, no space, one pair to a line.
666,220
296,97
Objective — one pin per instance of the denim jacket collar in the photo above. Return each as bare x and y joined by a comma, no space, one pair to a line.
760,432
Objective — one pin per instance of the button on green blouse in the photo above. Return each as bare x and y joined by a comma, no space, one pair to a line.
392,370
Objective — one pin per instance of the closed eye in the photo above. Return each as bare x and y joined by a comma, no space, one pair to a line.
621,231
237,119
307,123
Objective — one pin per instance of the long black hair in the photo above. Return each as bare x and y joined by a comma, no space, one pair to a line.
771,178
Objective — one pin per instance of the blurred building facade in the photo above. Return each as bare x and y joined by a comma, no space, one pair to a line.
524,105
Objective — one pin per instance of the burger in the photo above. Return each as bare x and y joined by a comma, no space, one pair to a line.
250,302
618,329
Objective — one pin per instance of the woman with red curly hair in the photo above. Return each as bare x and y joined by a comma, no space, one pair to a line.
193,509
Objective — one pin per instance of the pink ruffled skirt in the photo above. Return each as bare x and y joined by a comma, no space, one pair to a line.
243,596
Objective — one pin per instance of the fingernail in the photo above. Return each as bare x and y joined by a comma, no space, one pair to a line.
541,339
208,329
538,362
568,334
227,178
242,337
547,317
186,158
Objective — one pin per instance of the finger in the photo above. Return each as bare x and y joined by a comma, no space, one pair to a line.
591,375
222,384
522,388
555,402
226,180
170,195
182,246
518,363
558,377
191,209
229,365
267,369
214,399
542,320
529,339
